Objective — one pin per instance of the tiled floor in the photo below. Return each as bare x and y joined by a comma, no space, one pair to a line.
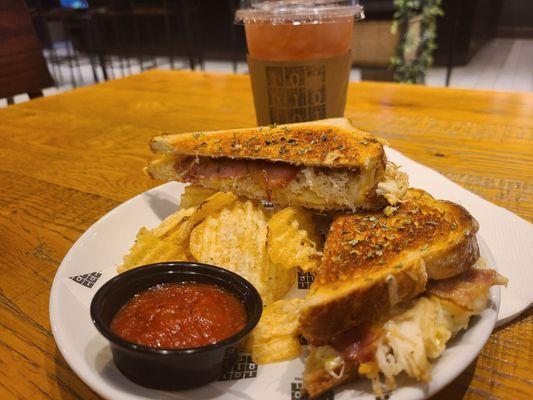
502,64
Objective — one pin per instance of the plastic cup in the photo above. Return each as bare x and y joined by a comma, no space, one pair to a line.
299,57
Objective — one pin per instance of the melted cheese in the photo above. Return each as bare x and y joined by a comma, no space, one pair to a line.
394,185
414,337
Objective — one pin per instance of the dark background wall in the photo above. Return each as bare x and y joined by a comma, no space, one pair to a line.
516,19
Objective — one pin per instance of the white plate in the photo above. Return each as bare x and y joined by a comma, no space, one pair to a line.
92,260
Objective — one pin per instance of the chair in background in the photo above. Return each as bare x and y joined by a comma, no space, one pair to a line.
23,68
146,30
91,41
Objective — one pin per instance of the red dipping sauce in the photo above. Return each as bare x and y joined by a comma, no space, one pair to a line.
180,316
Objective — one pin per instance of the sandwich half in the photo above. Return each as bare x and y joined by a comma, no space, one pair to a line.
373,261
393,287
323,165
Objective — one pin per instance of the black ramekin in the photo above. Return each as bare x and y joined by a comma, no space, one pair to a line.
170,369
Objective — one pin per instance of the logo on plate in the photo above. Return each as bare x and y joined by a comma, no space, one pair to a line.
87,280
305,279
238,365
296,391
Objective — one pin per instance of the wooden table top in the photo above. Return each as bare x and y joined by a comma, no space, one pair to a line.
66,160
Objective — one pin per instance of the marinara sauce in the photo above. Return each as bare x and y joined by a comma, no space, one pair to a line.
180,316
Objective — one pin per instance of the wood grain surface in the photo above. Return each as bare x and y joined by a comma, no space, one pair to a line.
68,159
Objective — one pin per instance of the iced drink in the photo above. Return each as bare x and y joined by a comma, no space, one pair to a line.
306,41
299,57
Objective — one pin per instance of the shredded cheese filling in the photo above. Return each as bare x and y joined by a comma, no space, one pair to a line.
395,184
414,337
416,334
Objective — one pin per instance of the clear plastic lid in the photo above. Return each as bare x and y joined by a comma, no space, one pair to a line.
303,11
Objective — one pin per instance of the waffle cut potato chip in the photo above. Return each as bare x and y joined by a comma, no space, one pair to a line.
194,195
170,240
236,239
293,239
275,338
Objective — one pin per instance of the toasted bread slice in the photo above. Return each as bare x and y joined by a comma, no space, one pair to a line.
324,165
373,261
330,142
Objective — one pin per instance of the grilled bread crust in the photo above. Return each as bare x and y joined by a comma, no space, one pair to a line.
372,262
319,380
330,142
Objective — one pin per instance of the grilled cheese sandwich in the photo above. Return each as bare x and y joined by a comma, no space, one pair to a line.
323,165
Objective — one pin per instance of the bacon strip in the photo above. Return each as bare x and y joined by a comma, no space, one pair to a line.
359,343
271,175
268,175
469,289
192,170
